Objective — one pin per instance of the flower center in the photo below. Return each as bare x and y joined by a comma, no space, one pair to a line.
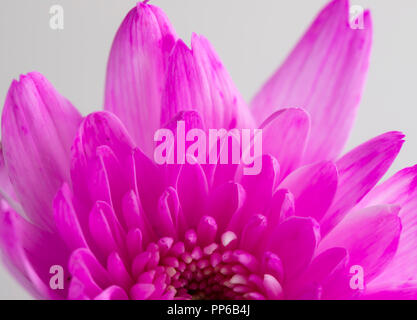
197,268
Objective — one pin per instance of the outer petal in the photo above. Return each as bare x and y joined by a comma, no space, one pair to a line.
30,252
401,189
359,172
370,236
284,135
325,75
402,292
38,126
136,72
197,80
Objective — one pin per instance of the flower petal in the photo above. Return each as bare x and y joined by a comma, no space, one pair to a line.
369,235
401,189
66,220
197,80
359,172
30,253
325,75
192,190
313,188
112,293
295,241
284,135
225,202
38,126
88,168
136,72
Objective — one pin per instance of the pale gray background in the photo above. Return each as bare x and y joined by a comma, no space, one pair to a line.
252,37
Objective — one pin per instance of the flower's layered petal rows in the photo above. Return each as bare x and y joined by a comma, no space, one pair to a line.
325,75
136,72
126,227
38,126
197,80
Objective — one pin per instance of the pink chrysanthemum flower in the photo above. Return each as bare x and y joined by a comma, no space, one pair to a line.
85,193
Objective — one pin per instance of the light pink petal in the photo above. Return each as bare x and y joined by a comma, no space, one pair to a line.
284,135
295,242
197,80
359,172
29,253
313,188
370,236
38,126
401,189
325,75
136,72
402,292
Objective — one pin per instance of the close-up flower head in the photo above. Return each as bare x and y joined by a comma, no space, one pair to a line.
179,189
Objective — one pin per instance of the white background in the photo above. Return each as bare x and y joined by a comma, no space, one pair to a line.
252,37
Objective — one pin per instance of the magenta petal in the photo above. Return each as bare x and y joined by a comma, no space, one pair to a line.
282,207
359,172
259,188
191,120
30,252
112,293
89,166
151,181
284,135
106,230
225,202
197,80
38,126
83,261
66,220
142,291
325,75
404,292
370,236
401,189
6,187
295,242
192,190
117,271
329,270
313,188
136,72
